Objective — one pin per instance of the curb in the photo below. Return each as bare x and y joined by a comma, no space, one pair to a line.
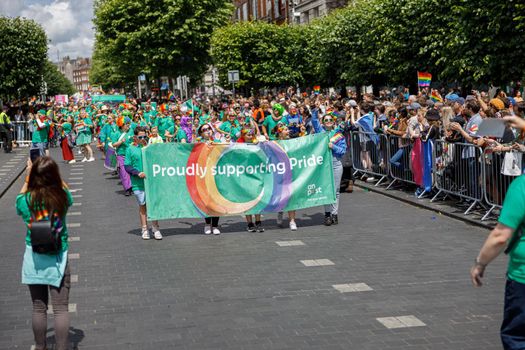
421,204
8,187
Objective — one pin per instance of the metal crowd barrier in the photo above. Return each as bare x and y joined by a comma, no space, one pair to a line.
458,169
370,154
495,182
21,133
399,149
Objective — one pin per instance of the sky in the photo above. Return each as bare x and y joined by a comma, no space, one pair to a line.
67,23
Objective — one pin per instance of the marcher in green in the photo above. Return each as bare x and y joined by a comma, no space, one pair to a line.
271,121
133,166
120,140
41,127
84,128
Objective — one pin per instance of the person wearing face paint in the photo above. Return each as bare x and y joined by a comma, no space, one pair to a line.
337,144
134,167
120,141
205,133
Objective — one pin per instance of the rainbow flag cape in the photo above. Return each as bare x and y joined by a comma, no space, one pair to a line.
435,96
423,79
317,89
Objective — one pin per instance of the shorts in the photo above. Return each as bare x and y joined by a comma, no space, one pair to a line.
140,196
42,145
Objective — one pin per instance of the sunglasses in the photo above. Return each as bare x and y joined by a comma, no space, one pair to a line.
177,119
142,137
326,120
205,129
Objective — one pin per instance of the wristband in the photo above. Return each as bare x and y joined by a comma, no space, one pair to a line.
478,263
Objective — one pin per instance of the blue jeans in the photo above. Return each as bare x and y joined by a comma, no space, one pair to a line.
513,326
395,160
338,174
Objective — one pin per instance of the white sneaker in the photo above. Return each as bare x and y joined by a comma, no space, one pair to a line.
72,161
371,179
79,151
91,160
84,160
145,234
293,226
280,219
207,230
216,231
156,233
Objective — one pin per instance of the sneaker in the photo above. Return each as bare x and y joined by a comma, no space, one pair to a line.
216,231
251,227
293,226
84,160
328,220
207,230
280,219
72,161
145,234
156,233
91,159
335,219
128,193
371,179
259,227
79,151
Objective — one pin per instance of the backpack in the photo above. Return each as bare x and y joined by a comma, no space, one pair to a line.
45,229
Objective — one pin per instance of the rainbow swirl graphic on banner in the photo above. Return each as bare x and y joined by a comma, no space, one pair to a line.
210,202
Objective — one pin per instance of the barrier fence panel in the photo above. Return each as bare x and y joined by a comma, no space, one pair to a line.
499,170
399,149
370,154
21,133
458,171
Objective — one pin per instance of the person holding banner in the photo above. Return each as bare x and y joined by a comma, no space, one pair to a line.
338,146
133,166
120,141
283,133
205,135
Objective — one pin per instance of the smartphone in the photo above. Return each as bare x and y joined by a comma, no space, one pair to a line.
34,154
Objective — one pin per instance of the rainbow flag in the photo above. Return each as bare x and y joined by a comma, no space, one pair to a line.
435,96
171,97
317,89
423,79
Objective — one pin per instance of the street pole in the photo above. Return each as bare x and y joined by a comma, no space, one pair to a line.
140,90
233,88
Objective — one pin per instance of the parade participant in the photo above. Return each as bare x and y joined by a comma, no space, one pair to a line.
84,127
295,121
186,134
120,141
40,137
282,132
271,121
66,140
337,144
133,166
154,137
230,125
107,129
44,197
205,135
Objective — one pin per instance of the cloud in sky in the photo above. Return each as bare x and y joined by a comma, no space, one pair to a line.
67,23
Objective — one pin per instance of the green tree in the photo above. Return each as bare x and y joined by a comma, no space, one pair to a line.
157,37
57,83
266,55
22,57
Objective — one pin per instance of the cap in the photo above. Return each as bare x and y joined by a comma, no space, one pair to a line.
352,103
414,106
432,115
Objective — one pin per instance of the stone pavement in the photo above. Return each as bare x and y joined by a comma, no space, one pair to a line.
389,276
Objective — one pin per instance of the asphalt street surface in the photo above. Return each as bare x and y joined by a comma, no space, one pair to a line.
389,276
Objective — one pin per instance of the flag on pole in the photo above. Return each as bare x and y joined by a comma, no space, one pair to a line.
423,79
317,89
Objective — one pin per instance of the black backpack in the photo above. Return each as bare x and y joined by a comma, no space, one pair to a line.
45,237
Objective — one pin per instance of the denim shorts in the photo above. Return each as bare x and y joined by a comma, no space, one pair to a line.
140,196
42,145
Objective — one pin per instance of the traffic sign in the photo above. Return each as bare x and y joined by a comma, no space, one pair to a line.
233,76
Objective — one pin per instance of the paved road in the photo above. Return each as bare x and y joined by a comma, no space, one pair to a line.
400,275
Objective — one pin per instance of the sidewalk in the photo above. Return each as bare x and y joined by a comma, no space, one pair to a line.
11,166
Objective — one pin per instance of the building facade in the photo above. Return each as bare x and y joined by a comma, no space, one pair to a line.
76,71
284,11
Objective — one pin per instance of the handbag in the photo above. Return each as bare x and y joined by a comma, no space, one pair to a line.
45,237
512,164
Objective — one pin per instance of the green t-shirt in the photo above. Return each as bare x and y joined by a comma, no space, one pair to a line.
67,127
117,136
41,135
270,123
513,216
134,159
22,210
